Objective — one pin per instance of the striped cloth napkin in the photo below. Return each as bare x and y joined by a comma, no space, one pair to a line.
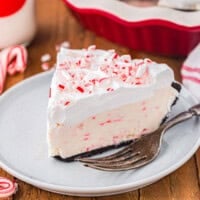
190,72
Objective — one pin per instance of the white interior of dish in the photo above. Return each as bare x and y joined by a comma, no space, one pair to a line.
135,13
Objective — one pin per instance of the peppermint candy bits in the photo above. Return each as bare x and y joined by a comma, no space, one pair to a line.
12,61
45,58
96,91
7,187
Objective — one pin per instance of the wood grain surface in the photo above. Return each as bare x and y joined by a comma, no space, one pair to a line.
55,25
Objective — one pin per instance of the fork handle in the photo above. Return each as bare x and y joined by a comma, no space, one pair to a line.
183,116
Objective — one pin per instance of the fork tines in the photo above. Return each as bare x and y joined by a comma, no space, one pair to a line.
122,160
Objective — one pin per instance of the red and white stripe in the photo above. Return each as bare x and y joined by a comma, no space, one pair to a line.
7,187
3,72
12,60
190,72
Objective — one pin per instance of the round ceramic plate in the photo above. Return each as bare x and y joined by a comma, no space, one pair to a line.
23,147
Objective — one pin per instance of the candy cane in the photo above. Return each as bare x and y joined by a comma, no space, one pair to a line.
7,187
3,72
12,60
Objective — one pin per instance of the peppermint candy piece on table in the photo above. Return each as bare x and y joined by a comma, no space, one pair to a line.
45,66
7,187
45,57
64,44
12,60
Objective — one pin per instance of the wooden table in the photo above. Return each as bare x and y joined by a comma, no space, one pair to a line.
55,25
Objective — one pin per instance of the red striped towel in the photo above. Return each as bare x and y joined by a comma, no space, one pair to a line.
190,72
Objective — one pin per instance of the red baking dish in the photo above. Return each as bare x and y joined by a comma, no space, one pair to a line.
152,29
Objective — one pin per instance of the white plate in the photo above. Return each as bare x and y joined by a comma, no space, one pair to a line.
23,147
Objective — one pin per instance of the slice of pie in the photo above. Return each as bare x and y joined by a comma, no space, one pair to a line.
99,100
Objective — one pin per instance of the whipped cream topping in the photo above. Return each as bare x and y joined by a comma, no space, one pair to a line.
89,81
90,71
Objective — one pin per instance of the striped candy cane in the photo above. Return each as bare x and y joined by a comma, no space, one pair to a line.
12,60
7,187
3,72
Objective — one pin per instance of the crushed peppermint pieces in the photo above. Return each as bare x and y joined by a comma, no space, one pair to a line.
45,66
67,103
112,67
64,44
62,87
80,89
92,47
45,58
110,89
115,55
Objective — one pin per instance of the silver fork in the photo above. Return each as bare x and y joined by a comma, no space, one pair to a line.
141,151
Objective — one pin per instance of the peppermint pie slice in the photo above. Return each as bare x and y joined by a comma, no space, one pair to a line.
99,100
